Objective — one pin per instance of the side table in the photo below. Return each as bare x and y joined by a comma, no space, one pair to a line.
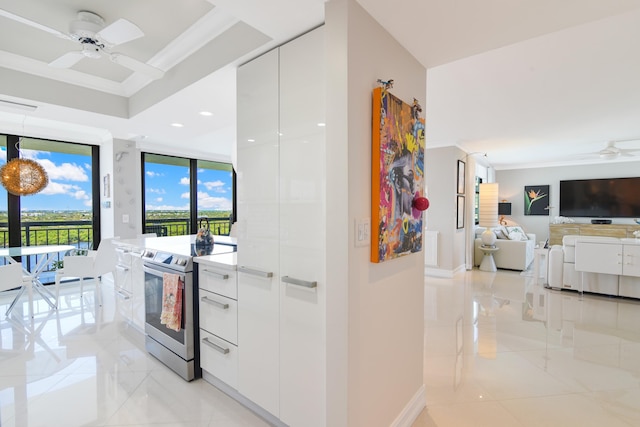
541,264
488,263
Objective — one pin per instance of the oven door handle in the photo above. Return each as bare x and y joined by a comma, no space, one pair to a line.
157,271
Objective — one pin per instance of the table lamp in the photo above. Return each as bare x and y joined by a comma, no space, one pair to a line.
488,212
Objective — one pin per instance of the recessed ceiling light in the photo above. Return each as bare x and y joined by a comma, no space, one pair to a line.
322,125
177,125
251,140
206,113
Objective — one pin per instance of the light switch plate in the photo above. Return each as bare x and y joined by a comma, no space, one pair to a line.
362,232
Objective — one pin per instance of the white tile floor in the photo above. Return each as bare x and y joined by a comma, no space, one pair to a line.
79,368
499,351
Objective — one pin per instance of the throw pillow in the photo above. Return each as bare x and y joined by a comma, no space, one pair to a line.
517,229
517,236
501,233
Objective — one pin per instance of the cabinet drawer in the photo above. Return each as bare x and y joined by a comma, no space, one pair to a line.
219,358
219,315
218,280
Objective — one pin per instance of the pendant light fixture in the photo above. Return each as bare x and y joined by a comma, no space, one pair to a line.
23,177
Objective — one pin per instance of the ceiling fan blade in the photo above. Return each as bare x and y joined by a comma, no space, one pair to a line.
33,24
119,32
67,60
135,65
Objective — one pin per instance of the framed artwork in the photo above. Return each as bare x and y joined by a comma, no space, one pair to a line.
397,177
461,177
536,200
460,212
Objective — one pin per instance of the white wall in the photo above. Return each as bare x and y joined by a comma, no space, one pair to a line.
512,182
441,166
126,206
383,302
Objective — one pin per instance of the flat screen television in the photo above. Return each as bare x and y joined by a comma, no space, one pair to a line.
600,198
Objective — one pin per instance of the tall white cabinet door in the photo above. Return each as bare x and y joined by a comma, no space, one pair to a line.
302,231
258,247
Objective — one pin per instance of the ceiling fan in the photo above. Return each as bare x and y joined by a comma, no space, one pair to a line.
96,40
611,151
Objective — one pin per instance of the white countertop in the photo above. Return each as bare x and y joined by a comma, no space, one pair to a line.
179,245
227,261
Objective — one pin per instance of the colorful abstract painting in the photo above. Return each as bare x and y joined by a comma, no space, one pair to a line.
397,177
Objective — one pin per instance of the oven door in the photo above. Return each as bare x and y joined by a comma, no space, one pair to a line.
179,342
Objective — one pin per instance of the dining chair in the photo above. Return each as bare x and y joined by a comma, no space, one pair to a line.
13,277
94,264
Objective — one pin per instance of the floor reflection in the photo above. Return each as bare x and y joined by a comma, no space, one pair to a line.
501,349
83,365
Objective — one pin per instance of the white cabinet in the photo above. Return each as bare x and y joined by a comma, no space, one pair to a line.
218,318
123,282
616,267
137,289
281,239
129,284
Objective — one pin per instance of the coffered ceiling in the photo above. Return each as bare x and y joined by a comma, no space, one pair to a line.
500,73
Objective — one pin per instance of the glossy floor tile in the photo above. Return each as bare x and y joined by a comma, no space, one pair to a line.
501,350
83,366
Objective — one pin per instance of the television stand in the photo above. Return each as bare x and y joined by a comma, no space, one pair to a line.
557,231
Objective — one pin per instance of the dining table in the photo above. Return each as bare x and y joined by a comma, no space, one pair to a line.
45,254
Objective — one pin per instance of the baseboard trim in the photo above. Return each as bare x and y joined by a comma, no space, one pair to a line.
446,274
438,272
412,410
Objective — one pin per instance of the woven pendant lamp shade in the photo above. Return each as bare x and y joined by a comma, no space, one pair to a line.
23,177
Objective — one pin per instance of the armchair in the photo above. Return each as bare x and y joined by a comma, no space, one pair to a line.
94,264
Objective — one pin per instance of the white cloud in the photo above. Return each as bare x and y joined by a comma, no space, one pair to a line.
3,155
156,190
185,195
159,199
205,201
217,186
57,188
81,195
167,207
65,171
153,174
88,203
184,181
87,166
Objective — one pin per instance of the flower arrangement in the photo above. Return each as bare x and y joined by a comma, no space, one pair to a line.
637,234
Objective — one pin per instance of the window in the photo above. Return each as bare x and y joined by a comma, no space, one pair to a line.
181,193
65,211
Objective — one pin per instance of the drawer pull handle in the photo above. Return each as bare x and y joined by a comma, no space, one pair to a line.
255,272
218,275
298,282
122,267
215,346
122,295
214,302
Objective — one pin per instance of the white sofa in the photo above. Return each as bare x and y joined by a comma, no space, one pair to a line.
512,254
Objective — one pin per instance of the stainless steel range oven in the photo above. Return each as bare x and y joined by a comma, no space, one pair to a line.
171,341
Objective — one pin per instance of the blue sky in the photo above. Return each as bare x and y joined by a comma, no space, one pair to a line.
168,188
69,185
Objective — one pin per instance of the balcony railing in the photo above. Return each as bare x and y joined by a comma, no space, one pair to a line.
80,235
